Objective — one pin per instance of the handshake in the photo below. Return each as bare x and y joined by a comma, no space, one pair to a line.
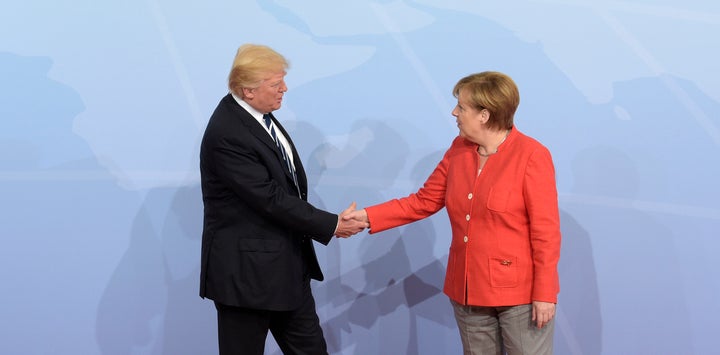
351,222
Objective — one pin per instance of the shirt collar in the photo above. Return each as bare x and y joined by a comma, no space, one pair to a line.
253,112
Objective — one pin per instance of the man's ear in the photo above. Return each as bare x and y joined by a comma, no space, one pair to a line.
248,93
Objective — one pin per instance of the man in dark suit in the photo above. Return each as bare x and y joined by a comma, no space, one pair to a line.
257,250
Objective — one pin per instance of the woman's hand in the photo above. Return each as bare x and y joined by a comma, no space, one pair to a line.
542,313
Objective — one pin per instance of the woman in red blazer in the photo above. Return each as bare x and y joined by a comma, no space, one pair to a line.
498,186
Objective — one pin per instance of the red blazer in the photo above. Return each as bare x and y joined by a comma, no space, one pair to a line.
505,222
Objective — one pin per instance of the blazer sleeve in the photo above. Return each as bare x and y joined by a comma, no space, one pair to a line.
428,200
541,201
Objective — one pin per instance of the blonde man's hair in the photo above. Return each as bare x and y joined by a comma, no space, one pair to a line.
253,63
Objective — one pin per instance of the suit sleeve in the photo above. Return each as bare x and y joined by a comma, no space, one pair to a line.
240,165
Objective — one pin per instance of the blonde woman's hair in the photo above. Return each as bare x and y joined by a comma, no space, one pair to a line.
493,91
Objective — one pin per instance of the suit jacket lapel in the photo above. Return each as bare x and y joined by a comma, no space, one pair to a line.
253,126
262,135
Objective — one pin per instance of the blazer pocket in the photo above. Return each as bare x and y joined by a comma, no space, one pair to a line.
259,245
498,199
503,271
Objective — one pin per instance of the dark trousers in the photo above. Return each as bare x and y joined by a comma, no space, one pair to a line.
242,331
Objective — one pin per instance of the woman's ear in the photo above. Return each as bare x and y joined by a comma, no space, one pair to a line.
484,116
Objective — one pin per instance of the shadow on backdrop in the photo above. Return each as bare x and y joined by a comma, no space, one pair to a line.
578,324
396,293
635,264
63,215
151,304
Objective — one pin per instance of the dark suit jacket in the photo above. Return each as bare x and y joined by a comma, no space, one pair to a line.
257,231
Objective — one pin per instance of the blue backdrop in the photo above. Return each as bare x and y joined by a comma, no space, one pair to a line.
103,104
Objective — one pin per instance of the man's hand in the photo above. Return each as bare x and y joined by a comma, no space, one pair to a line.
349,226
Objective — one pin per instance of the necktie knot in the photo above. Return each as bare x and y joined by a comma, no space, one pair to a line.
267,119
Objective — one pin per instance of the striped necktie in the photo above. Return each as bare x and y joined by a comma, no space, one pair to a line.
286,158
